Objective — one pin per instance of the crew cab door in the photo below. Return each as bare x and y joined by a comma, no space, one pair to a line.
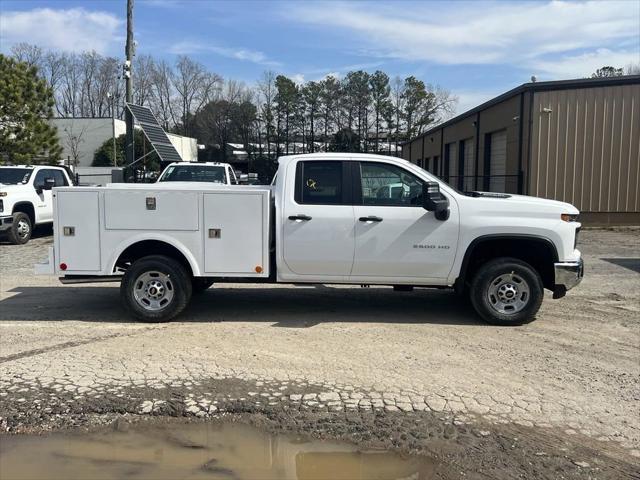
318,222
395,237
44,203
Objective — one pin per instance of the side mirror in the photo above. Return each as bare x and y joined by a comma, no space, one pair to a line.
49,183
434,201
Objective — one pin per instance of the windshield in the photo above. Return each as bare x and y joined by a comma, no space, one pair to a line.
13,176
194,173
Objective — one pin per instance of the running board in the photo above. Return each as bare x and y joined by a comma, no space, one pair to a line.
73,279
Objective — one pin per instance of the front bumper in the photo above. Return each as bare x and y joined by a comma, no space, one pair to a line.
6,222
567,276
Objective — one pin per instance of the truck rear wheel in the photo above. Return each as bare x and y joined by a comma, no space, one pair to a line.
506,291
156,288
21,228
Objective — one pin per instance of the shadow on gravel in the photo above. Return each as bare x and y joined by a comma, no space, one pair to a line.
632,264
289,307
40,231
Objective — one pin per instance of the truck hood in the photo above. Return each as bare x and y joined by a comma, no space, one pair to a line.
522,202
11,187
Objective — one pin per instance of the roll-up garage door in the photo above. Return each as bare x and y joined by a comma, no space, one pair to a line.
498,162
469,165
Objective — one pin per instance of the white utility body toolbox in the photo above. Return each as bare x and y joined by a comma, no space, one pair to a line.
221,231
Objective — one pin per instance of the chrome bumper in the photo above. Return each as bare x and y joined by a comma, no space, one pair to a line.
568,274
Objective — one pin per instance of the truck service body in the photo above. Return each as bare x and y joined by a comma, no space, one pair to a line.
329,218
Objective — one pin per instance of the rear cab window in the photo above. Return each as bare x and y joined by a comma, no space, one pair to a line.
322,183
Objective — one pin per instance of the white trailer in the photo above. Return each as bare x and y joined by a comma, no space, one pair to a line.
329,218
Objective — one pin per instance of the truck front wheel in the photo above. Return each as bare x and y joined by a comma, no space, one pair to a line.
20,231
506,291
155,288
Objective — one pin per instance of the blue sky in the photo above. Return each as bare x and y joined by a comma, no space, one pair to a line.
475,49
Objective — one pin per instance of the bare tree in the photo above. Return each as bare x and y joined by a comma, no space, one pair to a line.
70,85
195,87
73,139
267,89
142,87
27,53
397,99
162,94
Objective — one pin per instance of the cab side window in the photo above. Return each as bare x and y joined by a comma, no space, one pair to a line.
319,183
387,185
57,175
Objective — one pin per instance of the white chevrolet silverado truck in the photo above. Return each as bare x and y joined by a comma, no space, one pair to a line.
329,218
26,198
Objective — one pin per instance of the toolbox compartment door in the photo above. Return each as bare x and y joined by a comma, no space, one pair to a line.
234,234
138,209
78,230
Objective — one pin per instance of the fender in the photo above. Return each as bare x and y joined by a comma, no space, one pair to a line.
157,237
502,236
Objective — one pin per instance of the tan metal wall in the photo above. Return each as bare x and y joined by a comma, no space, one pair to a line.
585,147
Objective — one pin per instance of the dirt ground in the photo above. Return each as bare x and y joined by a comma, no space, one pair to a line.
415,371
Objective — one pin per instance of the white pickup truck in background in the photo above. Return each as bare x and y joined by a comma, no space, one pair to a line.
329,218
26,198
206,172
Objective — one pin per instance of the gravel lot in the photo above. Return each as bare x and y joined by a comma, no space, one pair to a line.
416,371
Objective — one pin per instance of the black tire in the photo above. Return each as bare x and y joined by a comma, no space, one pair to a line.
200,284
506,291
162,282
21,229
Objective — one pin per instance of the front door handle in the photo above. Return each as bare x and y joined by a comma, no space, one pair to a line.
370,218
305,218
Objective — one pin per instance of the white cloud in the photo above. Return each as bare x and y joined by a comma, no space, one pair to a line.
298,78
585,64
74,29
468,99
243,54
478,33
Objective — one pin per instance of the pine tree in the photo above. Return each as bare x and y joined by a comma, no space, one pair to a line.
26,103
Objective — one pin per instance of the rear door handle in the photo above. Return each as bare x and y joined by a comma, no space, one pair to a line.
305,218
371,218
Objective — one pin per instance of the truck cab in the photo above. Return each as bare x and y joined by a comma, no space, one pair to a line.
26,198
330,218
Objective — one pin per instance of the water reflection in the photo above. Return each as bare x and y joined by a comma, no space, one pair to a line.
198,451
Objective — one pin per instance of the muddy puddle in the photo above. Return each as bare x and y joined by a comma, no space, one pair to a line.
198,451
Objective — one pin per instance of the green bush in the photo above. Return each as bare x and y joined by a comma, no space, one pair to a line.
103,157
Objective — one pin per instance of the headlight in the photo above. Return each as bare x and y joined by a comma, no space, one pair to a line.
569,217
3,194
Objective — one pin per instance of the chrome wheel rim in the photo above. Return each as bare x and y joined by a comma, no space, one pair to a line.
153,290
508,294
23,228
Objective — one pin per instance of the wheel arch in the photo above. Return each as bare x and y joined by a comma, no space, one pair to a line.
144,245
25,207
538,251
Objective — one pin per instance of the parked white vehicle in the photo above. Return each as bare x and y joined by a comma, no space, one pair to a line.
323,222
209,172
25,198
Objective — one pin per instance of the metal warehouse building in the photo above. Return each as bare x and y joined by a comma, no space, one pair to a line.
574,140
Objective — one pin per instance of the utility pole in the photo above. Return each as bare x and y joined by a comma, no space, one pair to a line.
112,97
128,75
